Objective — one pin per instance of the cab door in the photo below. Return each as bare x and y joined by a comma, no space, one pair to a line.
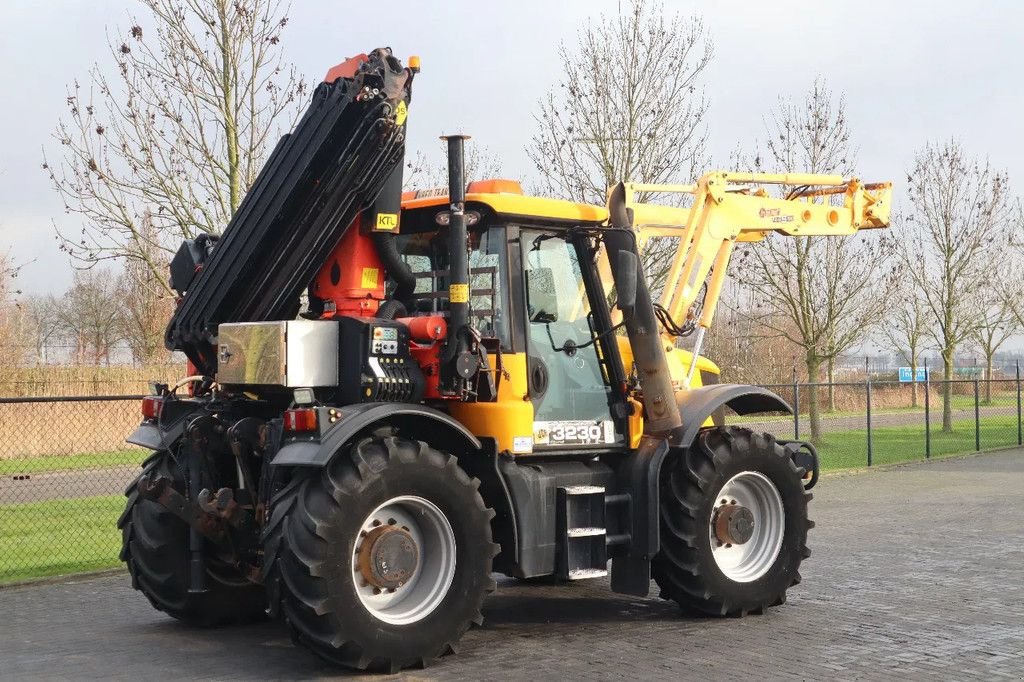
568,385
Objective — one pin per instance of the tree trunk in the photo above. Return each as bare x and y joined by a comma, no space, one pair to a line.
813,409
988,379
830,368
947,391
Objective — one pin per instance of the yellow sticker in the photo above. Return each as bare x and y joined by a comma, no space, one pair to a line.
387,221
458,293
370,278
401,111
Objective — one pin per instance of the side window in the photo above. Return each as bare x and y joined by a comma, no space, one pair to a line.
426,255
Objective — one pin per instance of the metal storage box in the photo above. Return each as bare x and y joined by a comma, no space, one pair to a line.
292,353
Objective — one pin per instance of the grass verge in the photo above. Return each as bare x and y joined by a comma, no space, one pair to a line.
894,444
39,539
92,460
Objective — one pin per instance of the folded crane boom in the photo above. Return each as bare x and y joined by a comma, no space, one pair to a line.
318,178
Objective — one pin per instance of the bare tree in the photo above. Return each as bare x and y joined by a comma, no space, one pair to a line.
628,107
823,294
176,127
905,330
90,315
44,322
953,233
996,324
145,305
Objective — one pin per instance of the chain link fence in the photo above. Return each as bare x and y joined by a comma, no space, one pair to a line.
870,423
64,464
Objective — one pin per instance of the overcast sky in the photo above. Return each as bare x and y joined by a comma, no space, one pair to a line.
911,71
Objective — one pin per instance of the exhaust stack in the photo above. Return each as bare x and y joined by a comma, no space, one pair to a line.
458,264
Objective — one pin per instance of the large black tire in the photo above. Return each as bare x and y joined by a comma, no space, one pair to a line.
314,532
685,568
155,548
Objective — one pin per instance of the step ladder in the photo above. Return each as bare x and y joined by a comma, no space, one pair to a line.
582,533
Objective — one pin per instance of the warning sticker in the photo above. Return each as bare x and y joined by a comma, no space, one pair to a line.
369,279
387,221
458,293
401,111
522,445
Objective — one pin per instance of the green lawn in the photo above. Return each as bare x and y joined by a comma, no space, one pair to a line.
56,537
92,460
891,444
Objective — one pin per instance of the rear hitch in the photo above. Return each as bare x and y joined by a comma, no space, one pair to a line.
159,489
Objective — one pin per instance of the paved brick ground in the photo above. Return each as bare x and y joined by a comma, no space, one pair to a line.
917,572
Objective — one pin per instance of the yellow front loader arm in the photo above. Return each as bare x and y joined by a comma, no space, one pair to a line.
732,207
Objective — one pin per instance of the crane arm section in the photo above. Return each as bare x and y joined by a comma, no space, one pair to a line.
735,207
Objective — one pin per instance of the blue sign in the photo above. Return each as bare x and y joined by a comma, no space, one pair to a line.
905,375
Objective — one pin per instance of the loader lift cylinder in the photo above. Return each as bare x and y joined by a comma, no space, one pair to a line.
662,413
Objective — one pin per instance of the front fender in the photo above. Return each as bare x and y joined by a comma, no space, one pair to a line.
699,404
416,421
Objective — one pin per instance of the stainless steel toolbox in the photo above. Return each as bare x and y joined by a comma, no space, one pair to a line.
292,353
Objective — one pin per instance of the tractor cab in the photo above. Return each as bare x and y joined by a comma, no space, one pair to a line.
536,298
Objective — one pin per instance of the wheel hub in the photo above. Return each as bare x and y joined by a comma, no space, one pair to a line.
734,524
388,557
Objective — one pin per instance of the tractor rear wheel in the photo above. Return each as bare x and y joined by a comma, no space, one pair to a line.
382,559
733,524
155,547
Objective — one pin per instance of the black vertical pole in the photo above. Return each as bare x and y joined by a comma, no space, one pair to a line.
868,384
796,407
1020,434
977,419
927,413
458,264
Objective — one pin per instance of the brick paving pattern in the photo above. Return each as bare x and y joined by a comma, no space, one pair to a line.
917,573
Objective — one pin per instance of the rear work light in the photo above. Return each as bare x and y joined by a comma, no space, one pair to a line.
152,406
302,419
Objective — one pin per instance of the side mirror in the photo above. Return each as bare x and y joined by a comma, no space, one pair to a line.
626,273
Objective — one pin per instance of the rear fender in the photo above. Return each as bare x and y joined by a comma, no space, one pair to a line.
415,421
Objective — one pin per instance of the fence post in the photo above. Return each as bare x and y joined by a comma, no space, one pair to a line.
796,407
1020,435
927,413
977,419
868,379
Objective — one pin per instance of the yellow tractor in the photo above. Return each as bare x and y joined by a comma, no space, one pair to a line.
394,396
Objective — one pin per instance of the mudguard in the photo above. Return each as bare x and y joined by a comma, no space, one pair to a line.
639,474
169,429
697,405
440,429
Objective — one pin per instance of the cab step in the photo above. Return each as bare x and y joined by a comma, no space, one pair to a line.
582,534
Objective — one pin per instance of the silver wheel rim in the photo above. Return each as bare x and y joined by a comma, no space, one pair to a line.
750,560
429,583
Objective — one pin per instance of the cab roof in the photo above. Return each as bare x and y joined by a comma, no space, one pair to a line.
506,198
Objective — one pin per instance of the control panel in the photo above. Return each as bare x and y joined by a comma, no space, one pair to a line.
374,362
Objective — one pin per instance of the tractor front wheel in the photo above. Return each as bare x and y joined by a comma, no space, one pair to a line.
382,559
733,524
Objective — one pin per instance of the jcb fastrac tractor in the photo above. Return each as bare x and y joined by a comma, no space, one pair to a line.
395,395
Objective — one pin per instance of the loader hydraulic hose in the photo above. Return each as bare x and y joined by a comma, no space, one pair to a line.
662,414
